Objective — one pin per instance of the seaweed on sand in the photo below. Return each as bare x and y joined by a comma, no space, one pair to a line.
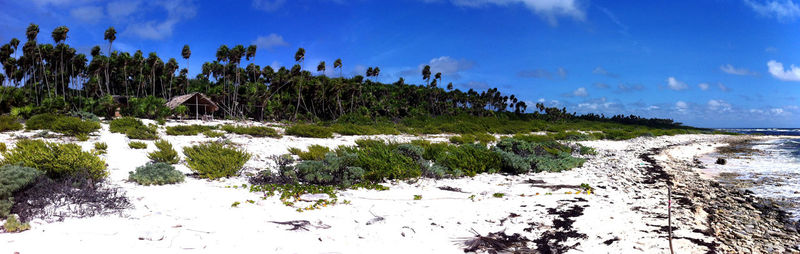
497,242
73,196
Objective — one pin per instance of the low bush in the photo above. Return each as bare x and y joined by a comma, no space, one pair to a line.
137,145
158,173
557,163
309,131
100,147
215,160
188,130
9,123
3,148
469,159
380,161
165,153
22,112
255,131
56,160
13,225
70,196
86,116
67,125
584,150
332,170
123,124
286,172
213,134
315,152
12,179
570,135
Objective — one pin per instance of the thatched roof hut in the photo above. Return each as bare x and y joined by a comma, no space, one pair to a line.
198,104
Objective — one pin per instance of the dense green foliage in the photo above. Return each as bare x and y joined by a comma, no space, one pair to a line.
12,179
67,125
100,147
309,131
137,145
165,153
315,152
133,128
255,131
56,160
9,123
482,138
13,225
158,173
188,130
215,160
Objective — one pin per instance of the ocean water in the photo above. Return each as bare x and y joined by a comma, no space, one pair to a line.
774,171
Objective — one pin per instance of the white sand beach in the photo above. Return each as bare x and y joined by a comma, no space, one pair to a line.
623,215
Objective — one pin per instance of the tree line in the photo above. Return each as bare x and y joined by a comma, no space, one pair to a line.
58,78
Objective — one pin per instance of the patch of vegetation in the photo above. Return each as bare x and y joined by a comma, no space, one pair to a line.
133,128
13,225
3,147
158,173
9,123
164,153
137,145
315,152
143,132
482,138
499,195
417,197
12,179
55,159
309,131
67,125
584,150
100,147
381,162
71,196
255,131
215,160
188,130
469,159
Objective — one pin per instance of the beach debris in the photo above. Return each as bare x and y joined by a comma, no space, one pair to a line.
497,242
314,197
610,241
302,224
405,229
448,188
374,220
552,241
721,161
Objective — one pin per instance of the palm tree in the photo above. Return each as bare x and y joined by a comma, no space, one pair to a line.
110,36
426,74
171,67
376,72
14,45
59,35
321,67
31,33
370,72
299,57
338,64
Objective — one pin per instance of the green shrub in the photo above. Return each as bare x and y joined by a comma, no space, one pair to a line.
13,225
165,153
86,116
22,112
315,152
557,163
571,135
12,179
214,160
332,170
137,145
143,132
255,131
9,123
3,147
380,162
213,134
100,147
147,107
463,139
310,131
469,159
67,125
123,124
188,130
584,150
499,195
158,173
56,160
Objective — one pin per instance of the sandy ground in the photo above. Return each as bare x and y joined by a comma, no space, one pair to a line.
196,216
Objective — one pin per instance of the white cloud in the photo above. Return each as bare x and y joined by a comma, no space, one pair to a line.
719,105
270,41
549,10
88,14
728,68
703,86
652,107
675,84
777,71
448,66
177,11
580,92
771,49
681,106
723,87
599,70
121,9
782,10
776,111
268,5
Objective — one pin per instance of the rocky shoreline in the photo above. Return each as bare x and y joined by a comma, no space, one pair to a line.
739,221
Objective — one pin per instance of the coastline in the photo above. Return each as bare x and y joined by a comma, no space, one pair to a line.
627,211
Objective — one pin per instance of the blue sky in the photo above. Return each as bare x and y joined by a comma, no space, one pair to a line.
705,63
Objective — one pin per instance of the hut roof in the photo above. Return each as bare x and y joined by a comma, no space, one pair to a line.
201,99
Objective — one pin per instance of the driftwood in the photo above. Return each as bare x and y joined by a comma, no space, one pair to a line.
301,224
497,242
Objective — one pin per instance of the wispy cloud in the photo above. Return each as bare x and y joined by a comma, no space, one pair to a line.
599,70
623,88
580,92
88,14
542,73
549,10
785,10
777,71
728,68
177,11
677,85
270,41
704,86
118,10
448,66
